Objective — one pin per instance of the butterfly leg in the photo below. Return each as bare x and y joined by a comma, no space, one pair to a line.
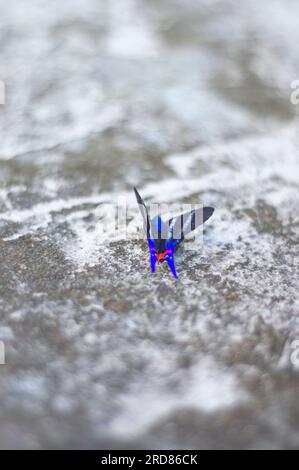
153,257
170,262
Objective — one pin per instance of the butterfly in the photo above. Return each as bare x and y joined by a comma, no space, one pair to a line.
164,238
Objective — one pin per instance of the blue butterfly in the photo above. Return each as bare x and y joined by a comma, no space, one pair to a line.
164,238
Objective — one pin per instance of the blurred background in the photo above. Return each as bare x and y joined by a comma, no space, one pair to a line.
188,100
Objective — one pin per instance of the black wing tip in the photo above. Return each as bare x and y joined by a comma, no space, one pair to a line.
210,209
207,213
138,197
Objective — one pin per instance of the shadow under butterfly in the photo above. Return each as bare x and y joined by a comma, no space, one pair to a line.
164,238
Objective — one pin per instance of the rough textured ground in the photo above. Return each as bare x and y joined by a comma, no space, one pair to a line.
188,100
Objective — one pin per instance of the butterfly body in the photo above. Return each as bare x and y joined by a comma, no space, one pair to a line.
164,239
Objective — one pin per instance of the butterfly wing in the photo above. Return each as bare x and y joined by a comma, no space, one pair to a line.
162,236
181,226
170,258
155,229
186,223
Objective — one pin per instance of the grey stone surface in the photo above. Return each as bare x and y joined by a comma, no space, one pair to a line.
188,100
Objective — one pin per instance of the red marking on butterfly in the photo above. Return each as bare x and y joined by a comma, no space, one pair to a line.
161,256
